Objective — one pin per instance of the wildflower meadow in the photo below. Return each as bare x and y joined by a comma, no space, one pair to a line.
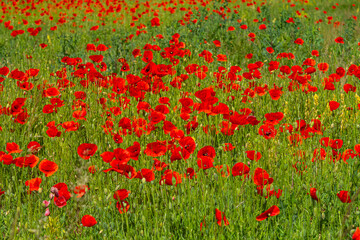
179,119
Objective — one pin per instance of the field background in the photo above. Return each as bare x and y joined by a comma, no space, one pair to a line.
185,210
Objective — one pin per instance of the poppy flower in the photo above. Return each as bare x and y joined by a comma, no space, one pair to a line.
92,169
86,150
220,216
228,147
334,105
270,50
267,131
1,192
123,206
323,67
81,190
217,43
240,169
202,224
356,235
273,211
121,194
261,177
48,167
62,194
336,143
339,40
13,148
33,147
97,58
156,149
252,156
221,58
33,184
30,161
155,22
230,29
313,194
299,41
207,151
88,221
205,162
344,196
168,177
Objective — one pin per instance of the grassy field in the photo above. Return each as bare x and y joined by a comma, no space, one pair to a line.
181,119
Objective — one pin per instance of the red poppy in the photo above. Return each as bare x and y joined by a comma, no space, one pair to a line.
31,161
147,174
299,41
270,50
334,105
97,58
148,56
339,40
136,53
86,150
33,184
323,67
81,190
207,151
155,22
262,27
267,131
13,148
221,58
251,155
88,221
1,192
168,177
62,194
156,149
228,147
158,165
356,235
121,194
273,118
273,211
344,196
220,216
231,28
336,143
33,147
123,206
261,177
205,162
92,169
102,48
313,194
240,169
48,167
217,43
